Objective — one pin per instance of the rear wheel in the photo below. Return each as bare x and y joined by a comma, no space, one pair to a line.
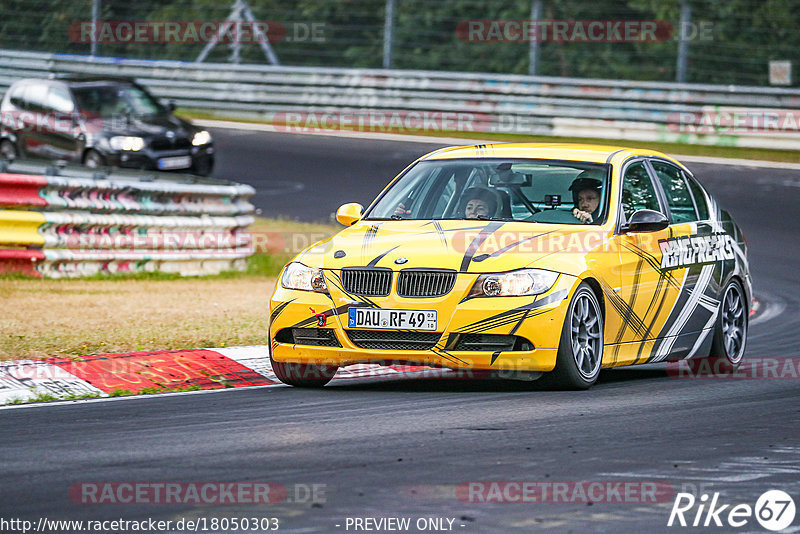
303,375
580,351
8,151
730,329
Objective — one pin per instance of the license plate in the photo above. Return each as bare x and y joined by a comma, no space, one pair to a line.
177,162
391,319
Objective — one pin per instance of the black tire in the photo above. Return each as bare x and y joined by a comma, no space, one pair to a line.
730,330
94,159
302,375
8,151
582,332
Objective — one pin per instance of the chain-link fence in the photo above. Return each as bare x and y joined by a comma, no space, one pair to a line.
702,41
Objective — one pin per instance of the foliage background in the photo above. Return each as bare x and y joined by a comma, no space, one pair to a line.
745,35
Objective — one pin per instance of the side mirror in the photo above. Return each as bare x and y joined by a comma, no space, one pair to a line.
349,214
645,221
171,106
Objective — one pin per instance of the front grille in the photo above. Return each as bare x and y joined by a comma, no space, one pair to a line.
164,143
320,337
393,339
492,342
367,282
413,283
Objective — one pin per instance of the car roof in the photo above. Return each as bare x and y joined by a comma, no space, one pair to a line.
78,80
551,151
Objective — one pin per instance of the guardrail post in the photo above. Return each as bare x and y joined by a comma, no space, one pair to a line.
683,42
388,34
95,18
533,53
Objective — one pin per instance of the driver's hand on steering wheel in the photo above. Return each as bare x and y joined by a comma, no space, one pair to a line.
582,216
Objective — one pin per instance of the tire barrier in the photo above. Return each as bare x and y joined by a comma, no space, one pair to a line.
68,222
305,98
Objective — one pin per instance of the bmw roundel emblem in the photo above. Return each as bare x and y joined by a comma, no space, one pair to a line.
401,261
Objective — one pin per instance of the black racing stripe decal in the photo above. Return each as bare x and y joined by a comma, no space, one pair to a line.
440,232
278,309
488,230
661,291
375,260
369,236
655,264
446,355
503,319
622,308
310,321
519,323
629,307
505,249
516,312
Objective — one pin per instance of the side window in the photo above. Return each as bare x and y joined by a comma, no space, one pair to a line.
58,99
699,198
36,97
677,192
16,96
637,190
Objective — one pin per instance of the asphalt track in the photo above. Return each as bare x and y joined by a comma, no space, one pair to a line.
399,448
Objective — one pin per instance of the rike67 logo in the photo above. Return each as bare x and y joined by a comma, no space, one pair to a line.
774,510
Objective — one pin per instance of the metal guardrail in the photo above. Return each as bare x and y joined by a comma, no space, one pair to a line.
535,105
64,222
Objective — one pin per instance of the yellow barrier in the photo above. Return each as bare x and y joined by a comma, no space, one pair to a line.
21,228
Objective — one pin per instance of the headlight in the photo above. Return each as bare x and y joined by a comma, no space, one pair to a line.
121,142
298,276
514,284
201,138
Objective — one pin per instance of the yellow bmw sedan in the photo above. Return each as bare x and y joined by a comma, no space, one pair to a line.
543,261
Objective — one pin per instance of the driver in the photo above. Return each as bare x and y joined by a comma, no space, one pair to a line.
480,202
586,195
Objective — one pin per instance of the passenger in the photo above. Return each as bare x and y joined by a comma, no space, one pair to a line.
586,196
477,202
480,203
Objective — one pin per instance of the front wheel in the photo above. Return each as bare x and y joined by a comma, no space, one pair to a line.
8,151
94,160
580,351
303,375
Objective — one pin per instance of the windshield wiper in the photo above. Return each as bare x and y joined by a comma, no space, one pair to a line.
396,217
486,218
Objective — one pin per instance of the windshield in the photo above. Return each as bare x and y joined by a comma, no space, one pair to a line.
111,100
497,189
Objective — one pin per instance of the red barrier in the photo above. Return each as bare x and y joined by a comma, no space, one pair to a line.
178,369
20,261
21,190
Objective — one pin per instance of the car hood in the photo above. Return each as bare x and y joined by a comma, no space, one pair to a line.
149,126
464,246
